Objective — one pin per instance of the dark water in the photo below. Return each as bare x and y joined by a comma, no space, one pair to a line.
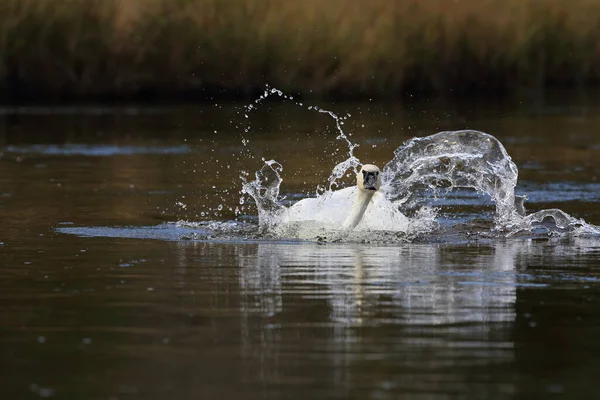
103,297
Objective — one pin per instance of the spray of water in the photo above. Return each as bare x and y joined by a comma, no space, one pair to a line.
446,160
339,170
460,159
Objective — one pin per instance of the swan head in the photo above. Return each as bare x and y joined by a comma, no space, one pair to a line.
368,178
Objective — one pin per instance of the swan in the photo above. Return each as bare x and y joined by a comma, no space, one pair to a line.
368,181
361,206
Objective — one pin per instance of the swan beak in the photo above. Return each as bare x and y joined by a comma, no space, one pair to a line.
370,180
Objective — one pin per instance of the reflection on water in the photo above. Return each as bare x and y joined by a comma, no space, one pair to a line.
416,311
355,280
435,298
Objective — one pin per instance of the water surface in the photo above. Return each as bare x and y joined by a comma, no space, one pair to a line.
103,295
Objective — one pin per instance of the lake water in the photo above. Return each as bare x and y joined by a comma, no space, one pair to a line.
105,296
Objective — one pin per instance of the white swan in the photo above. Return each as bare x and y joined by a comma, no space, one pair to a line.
368,181
358,207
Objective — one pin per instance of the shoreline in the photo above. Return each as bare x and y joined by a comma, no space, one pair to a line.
109,51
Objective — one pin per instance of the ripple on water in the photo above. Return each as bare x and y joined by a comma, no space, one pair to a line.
94,150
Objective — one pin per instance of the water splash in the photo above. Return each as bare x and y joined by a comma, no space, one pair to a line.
552,222
446,160
318,218
420,172
454,159
265,192
476,160
350,163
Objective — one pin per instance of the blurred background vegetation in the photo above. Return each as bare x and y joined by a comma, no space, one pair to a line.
159,49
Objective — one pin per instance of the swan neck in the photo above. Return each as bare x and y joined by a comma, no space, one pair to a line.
363,198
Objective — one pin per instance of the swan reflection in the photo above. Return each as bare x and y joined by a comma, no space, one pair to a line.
342,311
402,306
418,284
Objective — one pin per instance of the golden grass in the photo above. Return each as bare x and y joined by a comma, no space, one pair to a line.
88,48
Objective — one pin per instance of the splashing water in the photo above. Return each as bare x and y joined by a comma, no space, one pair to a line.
476,160
400,211
461,159
351,162
318,218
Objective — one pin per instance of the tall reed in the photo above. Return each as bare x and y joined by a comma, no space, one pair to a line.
102,48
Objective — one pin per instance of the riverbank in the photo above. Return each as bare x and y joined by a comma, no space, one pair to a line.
158,49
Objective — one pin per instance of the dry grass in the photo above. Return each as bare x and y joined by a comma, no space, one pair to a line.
86,48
